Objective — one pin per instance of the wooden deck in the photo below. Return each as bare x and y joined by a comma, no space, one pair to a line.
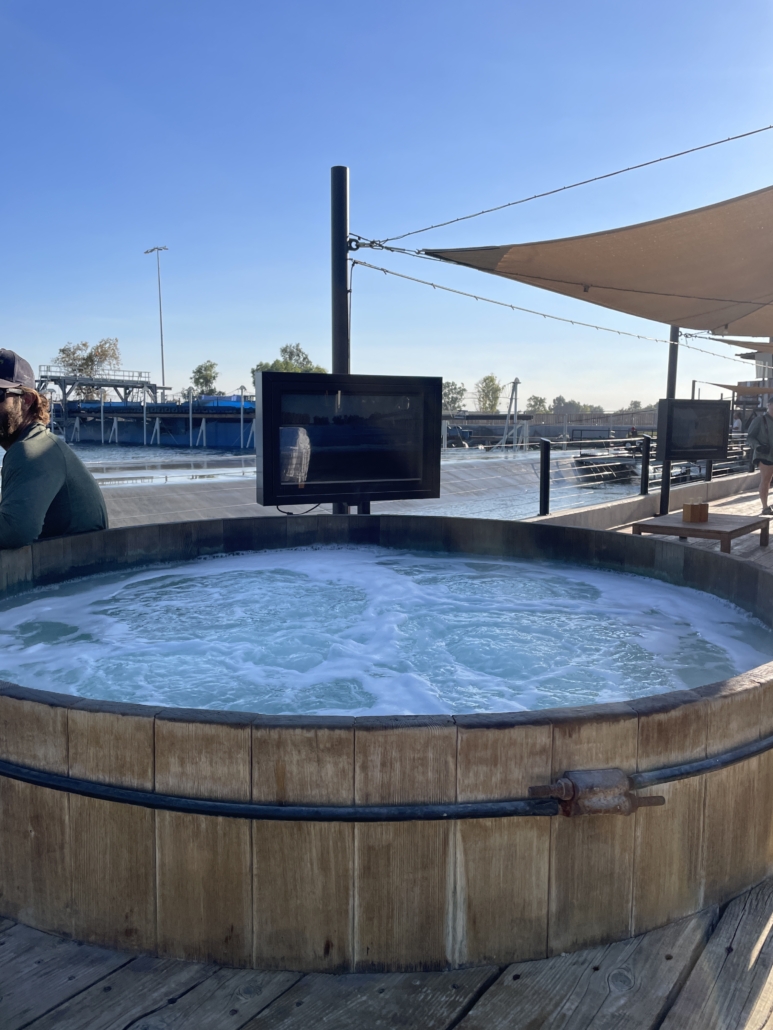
711,971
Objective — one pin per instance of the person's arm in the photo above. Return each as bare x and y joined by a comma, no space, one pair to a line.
752,435
30,483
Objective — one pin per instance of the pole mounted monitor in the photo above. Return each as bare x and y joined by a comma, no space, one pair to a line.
693,430
346,439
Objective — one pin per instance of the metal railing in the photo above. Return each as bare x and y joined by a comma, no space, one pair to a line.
107,375
622,463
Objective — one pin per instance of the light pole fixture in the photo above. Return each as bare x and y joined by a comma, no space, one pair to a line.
156,251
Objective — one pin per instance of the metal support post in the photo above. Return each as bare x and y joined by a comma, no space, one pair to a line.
241,420
646,447
363,508
144,416
673,358
102,415
339,279
709,471
544,476
190,416
339,267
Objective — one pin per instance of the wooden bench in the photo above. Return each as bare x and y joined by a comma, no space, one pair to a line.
724,528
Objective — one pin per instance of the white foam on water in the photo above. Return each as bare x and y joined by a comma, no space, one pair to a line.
366,630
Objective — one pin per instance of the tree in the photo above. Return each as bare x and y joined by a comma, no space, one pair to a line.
634,405
487,392
537,405
204,377
292,358
562,406
80,359
453,395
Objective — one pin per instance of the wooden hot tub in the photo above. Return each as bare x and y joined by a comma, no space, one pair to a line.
342,895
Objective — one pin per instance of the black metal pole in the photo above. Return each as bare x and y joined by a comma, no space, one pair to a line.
646,447
709,471
339,263
544,476
339,279
673,358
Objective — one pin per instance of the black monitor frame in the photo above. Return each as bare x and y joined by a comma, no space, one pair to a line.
269,388
667,450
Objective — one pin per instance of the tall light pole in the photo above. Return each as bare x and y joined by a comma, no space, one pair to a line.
156,251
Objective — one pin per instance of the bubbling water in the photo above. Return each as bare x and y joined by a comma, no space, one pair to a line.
365,630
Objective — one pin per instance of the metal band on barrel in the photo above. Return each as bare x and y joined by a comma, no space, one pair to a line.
532,806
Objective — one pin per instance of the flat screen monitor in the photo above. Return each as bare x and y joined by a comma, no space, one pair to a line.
347,438
693,430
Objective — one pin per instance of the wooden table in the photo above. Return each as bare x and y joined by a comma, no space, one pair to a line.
724,528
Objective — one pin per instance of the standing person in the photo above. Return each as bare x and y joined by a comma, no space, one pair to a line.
760,437
737,426
46,488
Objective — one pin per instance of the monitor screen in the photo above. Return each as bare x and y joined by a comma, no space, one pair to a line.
349,438
693,430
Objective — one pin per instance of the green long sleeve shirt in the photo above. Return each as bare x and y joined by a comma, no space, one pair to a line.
46,491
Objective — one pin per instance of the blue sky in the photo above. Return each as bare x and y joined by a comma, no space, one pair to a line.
210,127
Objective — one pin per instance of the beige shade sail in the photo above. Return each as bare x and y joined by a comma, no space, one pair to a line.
741,388
756,346
709,269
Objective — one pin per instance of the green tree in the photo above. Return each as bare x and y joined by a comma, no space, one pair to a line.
537,405
453,395
634,405
81,359
562,406
487,392
292,358
204,377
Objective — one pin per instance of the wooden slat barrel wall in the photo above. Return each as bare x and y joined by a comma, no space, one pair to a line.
331,897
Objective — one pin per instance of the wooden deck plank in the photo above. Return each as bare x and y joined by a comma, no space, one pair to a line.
224,1001
732,986
141,987
372,1001
39,972
627,986
19,939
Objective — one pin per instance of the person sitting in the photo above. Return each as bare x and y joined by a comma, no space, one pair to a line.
760,437
46,489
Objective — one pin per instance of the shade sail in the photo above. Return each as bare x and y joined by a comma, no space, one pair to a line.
742,388
709,269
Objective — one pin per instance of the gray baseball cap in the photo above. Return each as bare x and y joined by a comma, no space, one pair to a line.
15,371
